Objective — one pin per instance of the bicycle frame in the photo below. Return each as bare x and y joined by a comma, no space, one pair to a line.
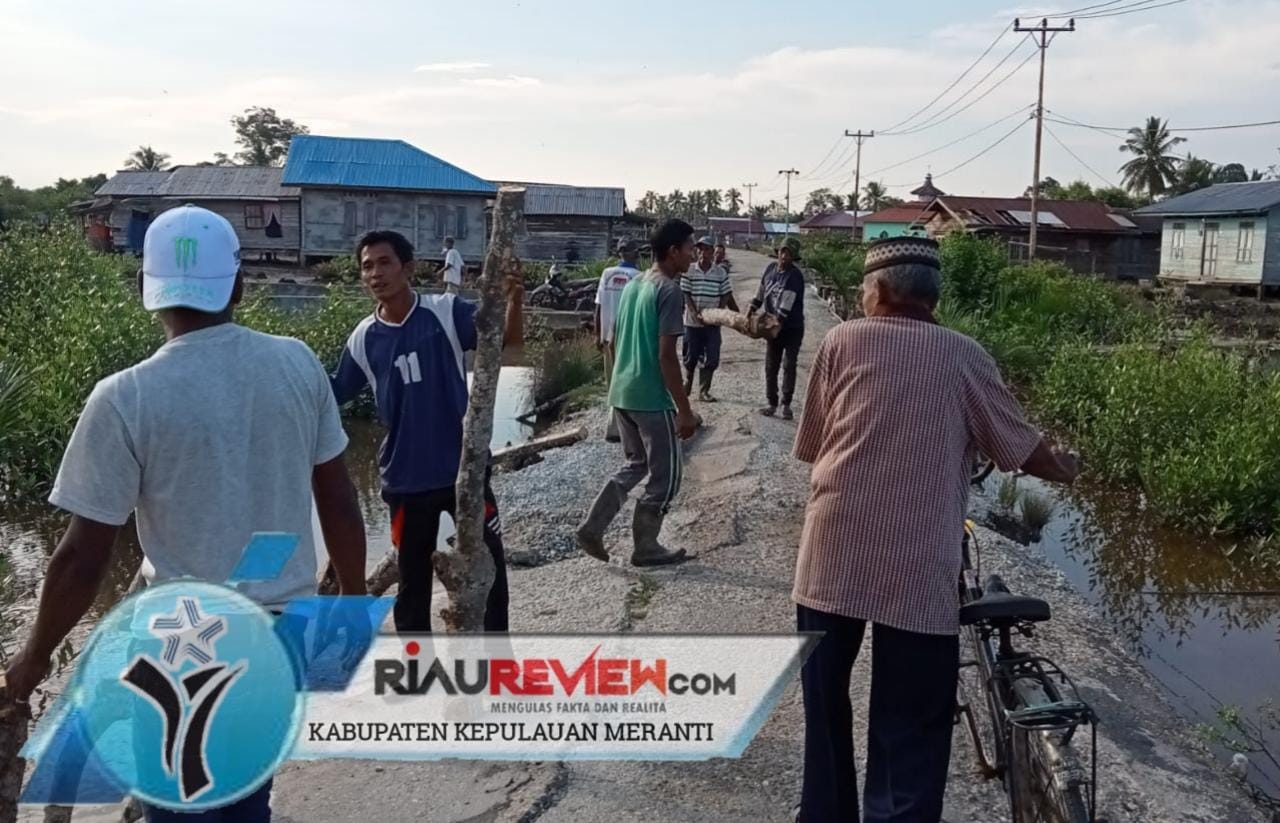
1022,692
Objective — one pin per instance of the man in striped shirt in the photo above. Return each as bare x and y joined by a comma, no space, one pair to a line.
896,409
705,286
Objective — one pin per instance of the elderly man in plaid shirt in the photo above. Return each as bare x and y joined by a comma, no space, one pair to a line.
896,409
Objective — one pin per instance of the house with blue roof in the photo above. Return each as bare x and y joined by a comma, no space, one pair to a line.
353,185
1225,235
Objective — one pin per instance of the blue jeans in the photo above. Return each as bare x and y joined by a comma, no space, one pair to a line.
256,808
701,344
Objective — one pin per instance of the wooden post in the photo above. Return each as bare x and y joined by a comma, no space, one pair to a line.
467,571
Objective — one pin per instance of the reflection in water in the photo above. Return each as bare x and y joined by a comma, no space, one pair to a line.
1163,592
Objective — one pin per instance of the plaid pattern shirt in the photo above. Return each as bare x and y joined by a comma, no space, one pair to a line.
895,411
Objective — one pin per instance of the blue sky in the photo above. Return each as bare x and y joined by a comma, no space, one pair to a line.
657,95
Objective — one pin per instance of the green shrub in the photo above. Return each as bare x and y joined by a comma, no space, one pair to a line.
561,367
1036,511
344,269
835,261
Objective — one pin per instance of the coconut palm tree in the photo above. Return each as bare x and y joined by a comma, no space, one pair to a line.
713,200
735,201
873,194
146,158
1153,168
1193,173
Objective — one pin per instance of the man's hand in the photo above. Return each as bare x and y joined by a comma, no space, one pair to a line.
697,315
23,675
686,423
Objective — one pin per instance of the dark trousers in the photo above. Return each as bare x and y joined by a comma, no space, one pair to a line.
256,808
701,345
913,693
783,351
415,528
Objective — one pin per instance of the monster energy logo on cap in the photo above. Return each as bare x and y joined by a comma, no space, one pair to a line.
184,252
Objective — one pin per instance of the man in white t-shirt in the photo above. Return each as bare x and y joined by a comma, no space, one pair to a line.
612,281
223,432
452,267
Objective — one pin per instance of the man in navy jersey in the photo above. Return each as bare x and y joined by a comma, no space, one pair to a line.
410,352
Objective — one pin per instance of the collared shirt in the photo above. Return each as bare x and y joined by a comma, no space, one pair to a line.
895,411
706,288
612,281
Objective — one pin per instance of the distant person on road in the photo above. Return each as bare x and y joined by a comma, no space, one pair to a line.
649,402
410,353
452,269
781,294
705,286
612,281
896,407
721,258
223,432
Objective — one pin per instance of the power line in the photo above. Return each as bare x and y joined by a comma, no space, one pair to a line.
839,142
933,120
1134,9
836,167
1007,135
1042,45
952,143
1068,150
975,101
954,83
1073,12
1068,121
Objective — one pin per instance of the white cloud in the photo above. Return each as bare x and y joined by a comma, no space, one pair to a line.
452,68
511,81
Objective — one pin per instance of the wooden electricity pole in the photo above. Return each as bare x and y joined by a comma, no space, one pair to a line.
788,173
749,187
1040,34
857,170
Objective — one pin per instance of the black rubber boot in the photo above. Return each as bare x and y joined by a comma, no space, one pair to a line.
606,507
644,529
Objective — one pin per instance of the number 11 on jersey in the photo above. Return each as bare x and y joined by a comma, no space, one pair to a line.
409,369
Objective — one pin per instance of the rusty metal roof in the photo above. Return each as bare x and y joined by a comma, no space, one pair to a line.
576,201
1013,213
202,183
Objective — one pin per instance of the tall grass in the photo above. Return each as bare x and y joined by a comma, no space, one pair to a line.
1194,426
565,367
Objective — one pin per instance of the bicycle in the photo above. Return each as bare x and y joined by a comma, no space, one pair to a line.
1034,708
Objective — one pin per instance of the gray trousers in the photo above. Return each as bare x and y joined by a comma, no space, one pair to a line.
652,447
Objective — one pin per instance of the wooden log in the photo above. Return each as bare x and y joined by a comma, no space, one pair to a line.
467,571
385,575
14,720
552,441
545,406
756,326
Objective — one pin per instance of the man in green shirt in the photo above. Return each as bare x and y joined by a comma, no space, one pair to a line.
649,402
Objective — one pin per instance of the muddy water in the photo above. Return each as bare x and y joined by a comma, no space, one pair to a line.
1206,625
28,536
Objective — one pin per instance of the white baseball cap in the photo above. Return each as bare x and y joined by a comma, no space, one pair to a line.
189,259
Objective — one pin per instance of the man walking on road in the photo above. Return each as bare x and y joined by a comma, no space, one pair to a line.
705,286
452,268
650,403
410,352
781,294
223,432
721,258
896,407
612,281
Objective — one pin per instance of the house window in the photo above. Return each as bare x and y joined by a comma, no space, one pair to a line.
1210,250
371,215
461,232
1244,245
1179,240
253,216
349,218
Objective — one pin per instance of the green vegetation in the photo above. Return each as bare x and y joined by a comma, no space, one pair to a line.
1193,426
1036,511
562,368
43,204
1008,493
835,261
69,317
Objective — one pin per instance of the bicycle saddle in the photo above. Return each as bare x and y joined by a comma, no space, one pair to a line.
999,605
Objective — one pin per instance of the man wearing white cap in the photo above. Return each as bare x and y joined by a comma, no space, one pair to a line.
222,433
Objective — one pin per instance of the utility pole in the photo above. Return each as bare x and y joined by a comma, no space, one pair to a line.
1042,42
749,187
857,169
788,173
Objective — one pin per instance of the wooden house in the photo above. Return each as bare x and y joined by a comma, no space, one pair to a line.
1228,234
570,223
263,211
353,185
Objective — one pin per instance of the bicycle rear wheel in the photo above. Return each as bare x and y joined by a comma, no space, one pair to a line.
1036,790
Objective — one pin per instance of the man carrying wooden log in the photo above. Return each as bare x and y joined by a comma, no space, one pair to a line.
781,294
409,351
612,281
650,402
705,286
222,433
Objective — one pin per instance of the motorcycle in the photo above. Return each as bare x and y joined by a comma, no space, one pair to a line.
555,293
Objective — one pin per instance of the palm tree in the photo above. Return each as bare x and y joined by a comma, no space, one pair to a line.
760,212
146,158
735,201
873,194
1194,173
714,200
1153,168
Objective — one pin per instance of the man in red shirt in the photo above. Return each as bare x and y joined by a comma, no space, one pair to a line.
896,408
